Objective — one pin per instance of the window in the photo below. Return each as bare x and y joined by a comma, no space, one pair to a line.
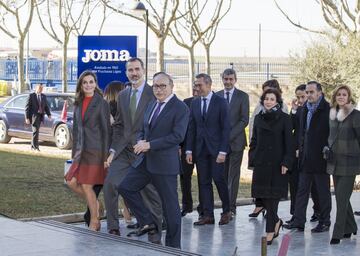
18,102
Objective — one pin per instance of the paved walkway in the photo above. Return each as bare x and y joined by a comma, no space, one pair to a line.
244,234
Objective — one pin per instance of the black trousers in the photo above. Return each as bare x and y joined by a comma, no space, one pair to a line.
294,184
271,205
35,126
322,183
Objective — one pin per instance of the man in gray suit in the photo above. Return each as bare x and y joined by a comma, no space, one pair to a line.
164,128
239,118
132,103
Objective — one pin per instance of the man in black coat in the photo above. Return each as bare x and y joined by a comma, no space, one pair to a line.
313,136
35,109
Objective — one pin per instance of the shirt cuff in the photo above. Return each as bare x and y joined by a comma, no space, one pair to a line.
223,153
188,152
293,111
112,150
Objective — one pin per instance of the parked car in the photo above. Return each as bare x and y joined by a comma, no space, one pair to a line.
12,120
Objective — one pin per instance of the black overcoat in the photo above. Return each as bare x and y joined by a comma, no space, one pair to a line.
271,146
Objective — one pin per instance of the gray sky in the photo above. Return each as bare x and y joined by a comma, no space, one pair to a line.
237,35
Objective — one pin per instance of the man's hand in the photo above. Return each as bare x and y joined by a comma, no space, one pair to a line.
109,159
27,121
220,158
284,169
141,147
189,159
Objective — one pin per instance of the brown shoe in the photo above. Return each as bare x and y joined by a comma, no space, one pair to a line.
225,218
204,220
115,232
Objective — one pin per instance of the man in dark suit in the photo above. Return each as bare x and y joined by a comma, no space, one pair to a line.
35,109
164,128
239,118
187,170
132,103
208,136
313,136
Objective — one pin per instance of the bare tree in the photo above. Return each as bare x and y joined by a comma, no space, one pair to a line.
161,15
62,18
208,35
343,16
21,12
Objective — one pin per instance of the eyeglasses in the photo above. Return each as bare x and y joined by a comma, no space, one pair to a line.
159,86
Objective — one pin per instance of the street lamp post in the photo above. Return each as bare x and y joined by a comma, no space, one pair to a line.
141,7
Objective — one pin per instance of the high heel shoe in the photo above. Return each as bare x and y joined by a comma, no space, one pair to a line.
276,234
348,235
255,214
95,226
269,242
100,210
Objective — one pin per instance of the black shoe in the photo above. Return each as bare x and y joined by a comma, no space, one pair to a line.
184,212
292,225
143,230
357,213
314,218
270,241
349,235
87,217
335,241
276,234
255,214
320,228
291,220
133,226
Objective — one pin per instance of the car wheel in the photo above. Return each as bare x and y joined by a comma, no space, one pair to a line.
63,137
4,137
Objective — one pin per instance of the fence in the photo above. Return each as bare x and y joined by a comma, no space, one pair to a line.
249,74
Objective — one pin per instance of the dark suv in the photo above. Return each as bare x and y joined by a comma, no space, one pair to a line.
12,120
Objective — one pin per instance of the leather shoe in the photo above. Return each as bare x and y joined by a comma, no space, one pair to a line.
204,220
115,232
225,218
133,226
334,241
292,225
184,212
291,220
320,228
314,218
145,229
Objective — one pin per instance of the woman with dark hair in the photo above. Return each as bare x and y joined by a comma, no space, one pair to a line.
91,130
274,84
271,155
111,93
343,159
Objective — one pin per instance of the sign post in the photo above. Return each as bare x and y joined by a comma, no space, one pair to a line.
106,56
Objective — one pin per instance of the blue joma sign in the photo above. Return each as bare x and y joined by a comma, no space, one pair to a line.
106,56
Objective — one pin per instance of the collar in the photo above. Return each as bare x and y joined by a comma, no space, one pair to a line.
140,88
208,97
231,91
167,99
342,113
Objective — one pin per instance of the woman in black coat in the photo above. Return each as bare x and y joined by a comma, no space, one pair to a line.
271,155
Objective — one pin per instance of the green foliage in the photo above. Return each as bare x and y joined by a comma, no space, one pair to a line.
331,62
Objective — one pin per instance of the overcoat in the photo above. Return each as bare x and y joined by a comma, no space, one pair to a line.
345,141
271,146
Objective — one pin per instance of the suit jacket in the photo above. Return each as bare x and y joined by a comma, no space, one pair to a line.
93,133
312,142
214,131
239,118
188,102
32,106
125,131
165,135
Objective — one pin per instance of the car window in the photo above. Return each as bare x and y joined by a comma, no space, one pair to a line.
56,103
18,102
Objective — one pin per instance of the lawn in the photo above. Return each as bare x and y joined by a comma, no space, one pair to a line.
32,186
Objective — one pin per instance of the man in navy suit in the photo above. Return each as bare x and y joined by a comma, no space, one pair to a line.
165,124
209,131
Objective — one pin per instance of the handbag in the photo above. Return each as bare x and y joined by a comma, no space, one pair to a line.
327,151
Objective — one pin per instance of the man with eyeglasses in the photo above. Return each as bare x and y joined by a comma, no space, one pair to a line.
132,103
164,127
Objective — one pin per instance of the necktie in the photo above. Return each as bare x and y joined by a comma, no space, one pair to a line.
204,109
228,97
156,113
132,106
39,103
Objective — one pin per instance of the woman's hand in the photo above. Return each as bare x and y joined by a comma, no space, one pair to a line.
284,169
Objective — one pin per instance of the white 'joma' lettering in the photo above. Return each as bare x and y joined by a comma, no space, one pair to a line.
105,55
